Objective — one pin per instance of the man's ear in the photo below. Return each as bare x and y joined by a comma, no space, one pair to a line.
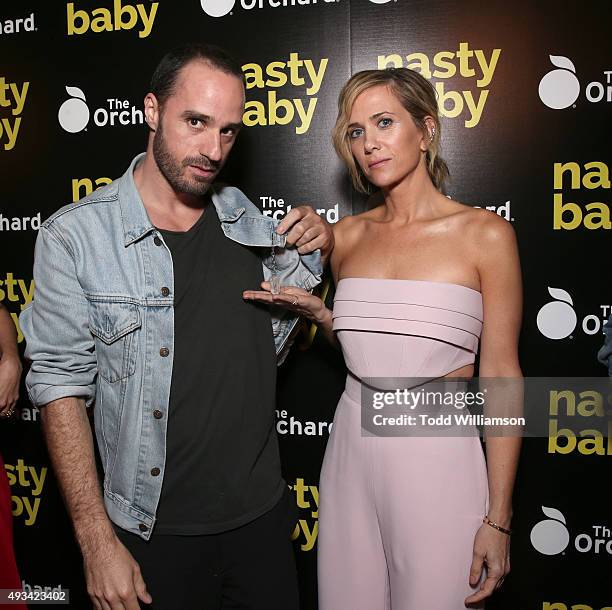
151,111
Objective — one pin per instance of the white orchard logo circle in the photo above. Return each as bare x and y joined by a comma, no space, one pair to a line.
380,1
550,536
217,8
73,114
557,319
559,88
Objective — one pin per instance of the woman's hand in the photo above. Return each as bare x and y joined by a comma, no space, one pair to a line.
292,298
10,374
491,549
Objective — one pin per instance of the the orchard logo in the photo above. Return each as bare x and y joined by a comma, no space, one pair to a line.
550,536
73,114
560,88
217,8
220,8
380,1
557,319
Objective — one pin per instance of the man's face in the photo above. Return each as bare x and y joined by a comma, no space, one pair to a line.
197,127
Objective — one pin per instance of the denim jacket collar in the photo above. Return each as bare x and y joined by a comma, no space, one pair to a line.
136,222
230,204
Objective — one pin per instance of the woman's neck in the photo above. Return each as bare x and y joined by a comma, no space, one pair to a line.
414,198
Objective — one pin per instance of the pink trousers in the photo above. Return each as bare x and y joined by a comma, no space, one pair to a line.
397,517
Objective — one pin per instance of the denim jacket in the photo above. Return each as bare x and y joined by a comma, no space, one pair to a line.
101,326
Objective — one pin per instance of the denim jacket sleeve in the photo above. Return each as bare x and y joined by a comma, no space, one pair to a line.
56,326
303,271
605,353
252,228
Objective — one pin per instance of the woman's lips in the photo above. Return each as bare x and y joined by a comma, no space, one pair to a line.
377,163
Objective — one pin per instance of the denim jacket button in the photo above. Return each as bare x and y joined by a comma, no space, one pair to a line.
155,471
165,291
157,414
142,527
163,352
157,241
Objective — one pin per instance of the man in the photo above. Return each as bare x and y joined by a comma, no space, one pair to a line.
139,306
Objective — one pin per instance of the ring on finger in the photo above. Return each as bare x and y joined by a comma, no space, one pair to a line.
296,301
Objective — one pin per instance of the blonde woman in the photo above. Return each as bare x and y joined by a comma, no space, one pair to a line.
412,523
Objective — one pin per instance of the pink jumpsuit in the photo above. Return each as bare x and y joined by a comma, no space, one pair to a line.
398,515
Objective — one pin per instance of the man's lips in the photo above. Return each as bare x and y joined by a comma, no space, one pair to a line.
378,163
203,171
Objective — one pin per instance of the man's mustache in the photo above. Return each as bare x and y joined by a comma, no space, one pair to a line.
203,162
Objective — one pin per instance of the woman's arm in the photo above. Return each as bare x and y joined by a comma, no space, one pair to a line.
501,287
497,261
10,364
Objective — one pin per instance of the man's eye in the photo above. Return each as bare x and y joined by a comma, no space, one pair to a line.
229,132
195,122
355,133
385,122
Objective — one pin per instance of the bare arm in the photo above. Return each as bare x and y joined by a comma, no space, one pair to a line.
10,364
113,576
501,287
70,443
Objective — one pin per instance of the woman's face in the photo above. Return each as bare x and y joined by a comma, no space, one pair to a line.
384,139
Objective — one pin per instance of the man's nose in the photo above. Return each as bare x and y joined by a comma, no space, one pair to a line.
210,145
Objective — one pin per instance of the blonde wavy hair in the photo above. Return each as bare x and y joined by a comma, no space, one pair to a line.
416,94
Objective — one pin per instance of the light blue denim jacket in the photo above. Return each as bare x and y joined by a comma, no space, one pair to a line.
101,326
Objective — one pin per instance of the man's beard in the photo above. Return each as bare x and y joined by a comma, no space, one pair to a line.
172,169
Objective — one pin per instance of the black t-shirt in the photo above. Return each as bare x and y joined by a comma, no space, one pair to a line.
222,461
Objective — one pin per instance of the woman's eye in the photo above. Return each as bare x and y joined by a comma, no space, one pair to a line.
355,133
385,122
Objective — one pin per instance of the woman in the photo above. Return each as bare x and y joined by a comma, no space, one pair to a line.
412,523
10,374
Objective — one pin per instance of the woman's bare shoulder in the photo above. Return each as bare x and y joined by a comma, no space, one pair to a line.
484,228
349,226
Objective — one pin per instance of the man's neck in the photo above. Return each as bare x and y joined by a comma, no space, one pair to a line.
166,208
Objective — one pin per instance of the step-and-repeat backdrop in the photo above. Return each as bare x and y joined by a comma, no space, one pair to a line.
525,90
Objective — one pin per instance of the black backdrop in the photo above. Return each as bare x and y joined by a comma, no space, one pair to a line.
525,88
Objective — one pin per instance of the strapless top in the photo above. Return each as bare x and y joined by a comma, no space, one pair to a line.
406,328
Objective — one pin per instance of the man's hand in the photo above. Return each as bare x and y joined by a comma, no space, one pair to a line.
307,231
114,580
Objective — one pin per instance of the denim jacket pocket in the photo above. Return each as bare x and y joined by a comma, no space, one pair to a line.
113,324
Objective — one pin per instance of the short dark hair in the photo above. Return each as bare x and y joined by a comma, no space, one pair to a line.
164,78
